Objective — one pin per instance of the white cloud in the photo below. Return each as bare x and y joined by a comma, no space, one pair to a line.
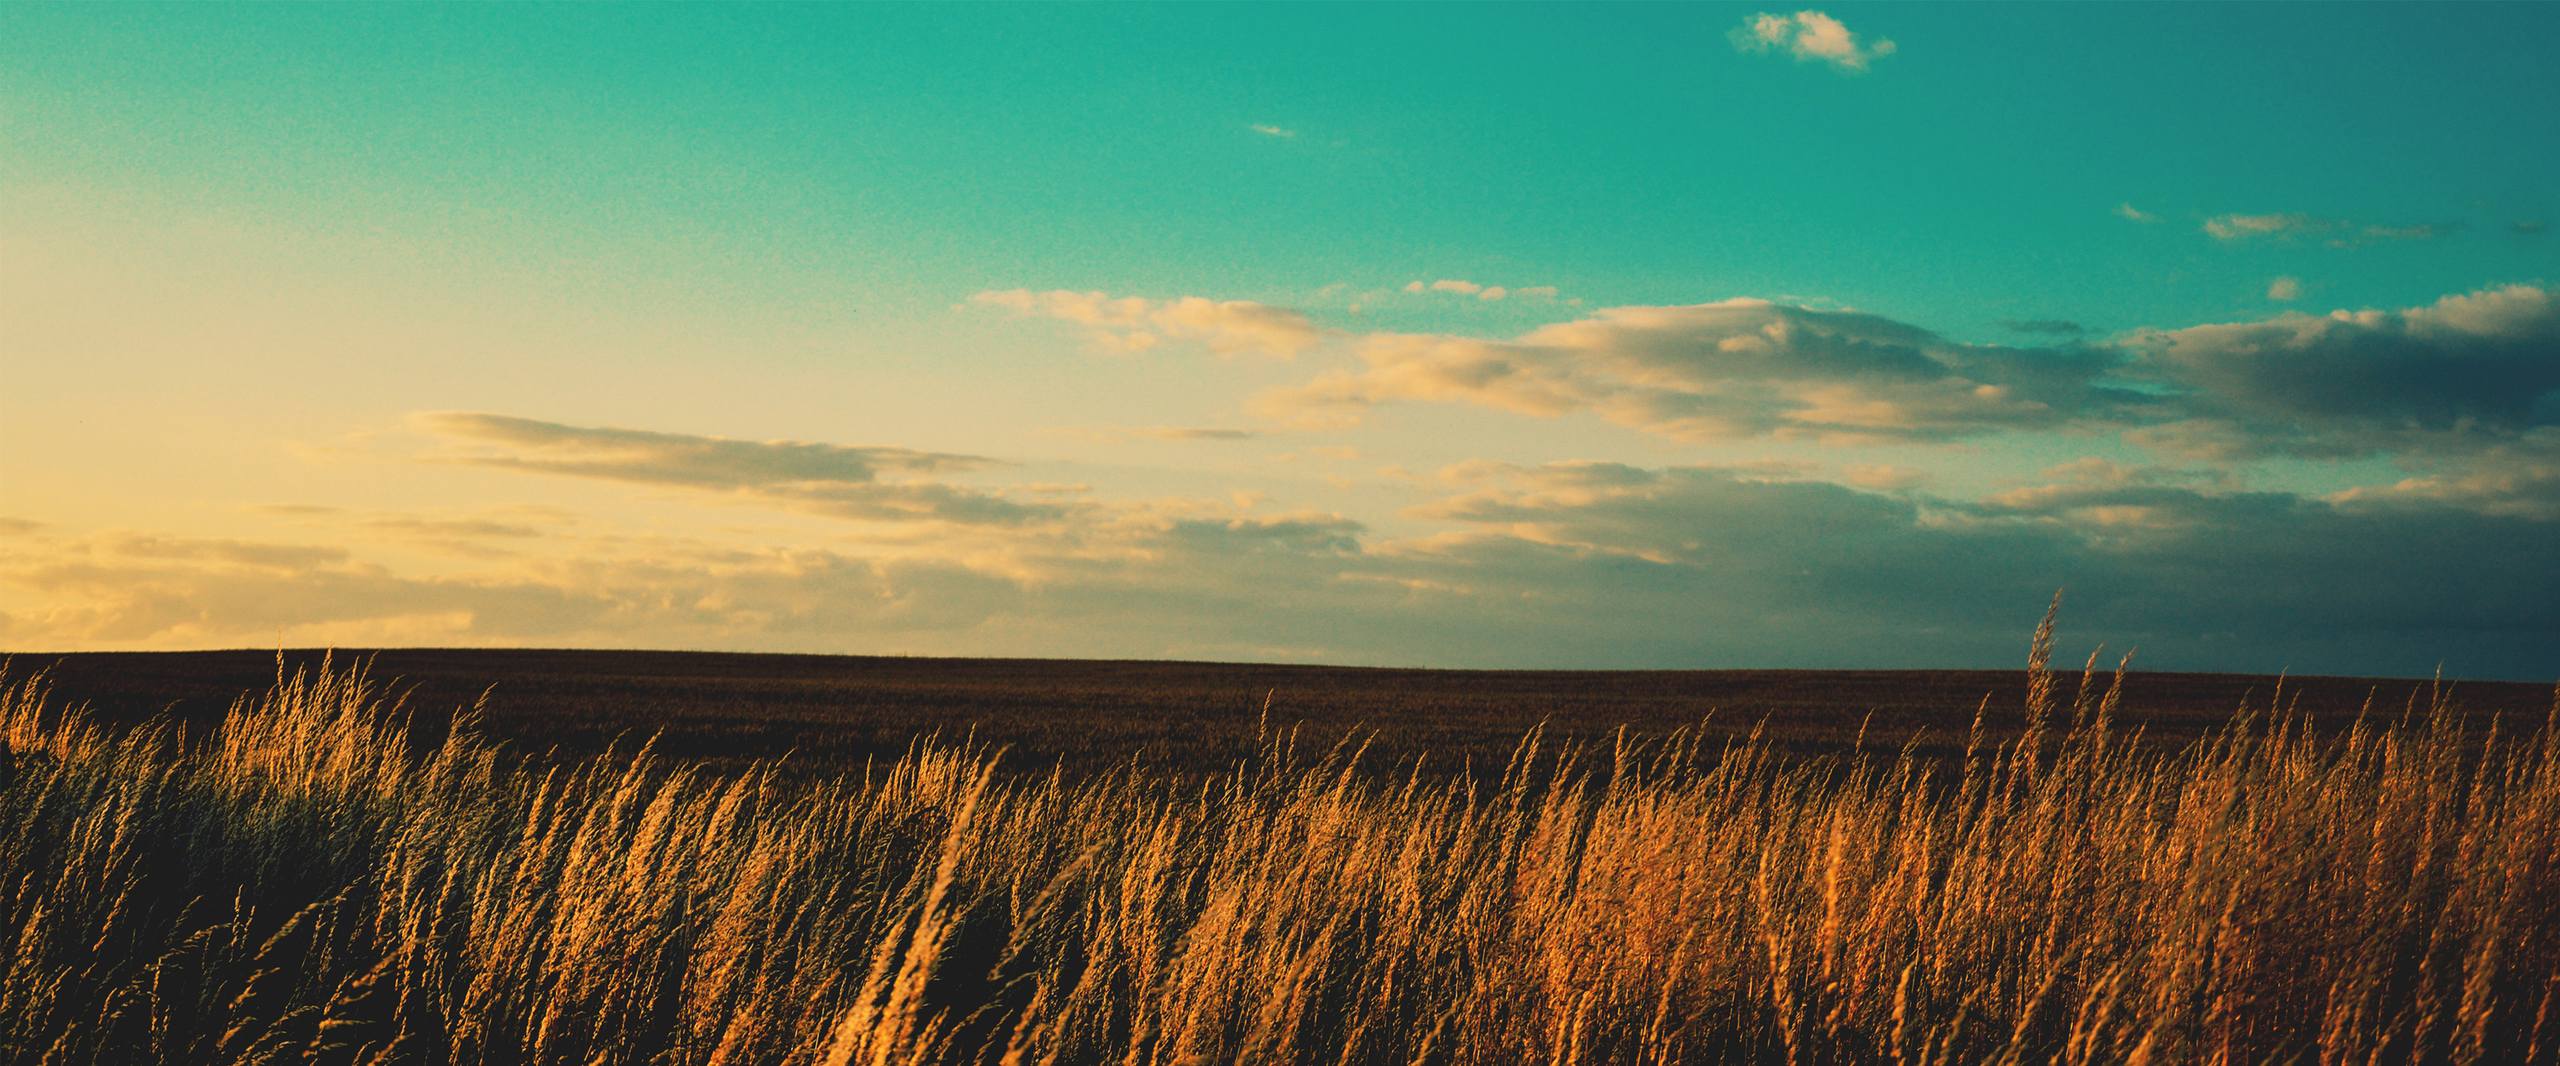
2131,213
2285,289
1268,130
1810,36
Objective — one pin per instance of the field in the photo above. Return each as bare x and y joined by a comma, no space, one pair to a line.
1139,863
830,711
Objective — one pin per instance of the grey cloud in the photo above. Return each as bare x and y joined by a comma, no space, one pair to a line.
2479,365
2057,327
833,479
1735,369
676,458
2469,371
2199,577
2521,480
2528,227
1569,564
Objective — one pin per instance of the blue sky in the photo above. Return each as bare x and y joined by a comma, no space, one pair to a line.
2043,294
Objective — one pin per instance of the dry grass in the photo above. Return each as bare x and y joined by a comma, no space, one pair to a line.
302,886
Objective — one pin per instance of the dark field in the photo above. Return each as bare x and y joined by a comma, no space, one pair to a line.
830,710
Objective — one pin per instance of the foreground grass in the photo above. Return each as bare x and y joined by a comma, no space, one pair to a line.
303,886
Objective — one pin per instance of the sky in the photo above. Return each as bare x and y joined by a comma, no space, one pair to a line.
1491,336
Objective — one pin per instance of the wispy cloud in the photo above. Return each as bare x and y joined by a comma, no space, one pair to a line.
2131,213
2242,227
830,479
2285,289
1268,130
2338,233
1810,36
1479,291
1185,434
675,458
2051,327
1137,324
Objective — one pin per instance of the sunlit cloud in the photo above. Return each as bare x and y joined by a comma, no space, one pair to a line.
1810,36
2130,213
1268,130
1133,324
1721,371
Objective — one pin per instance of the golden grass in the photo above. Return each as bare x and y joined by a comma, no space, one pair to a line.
303,886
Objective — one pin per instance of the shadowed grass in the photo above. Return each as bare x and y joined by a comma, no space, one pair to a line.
306,885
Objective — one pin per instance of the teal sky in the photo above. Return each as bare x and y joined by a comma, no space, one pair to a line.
2036,284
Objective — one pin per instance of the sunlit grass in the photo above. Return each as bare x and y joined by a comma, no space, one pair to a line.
307,885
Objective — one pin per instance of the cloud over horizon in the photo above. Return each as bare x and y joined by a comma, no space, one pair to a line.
1588,563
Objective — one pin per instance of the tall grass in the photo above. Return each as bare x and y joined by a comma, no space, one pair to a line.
306,885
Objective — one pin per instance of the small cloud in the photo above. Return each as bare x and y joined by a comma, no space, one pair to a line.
2131,213
2286,226
18,527
1131,324
2050,327
1483,292
2285,288
1809,36
1268,130
2243,227
2527,227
